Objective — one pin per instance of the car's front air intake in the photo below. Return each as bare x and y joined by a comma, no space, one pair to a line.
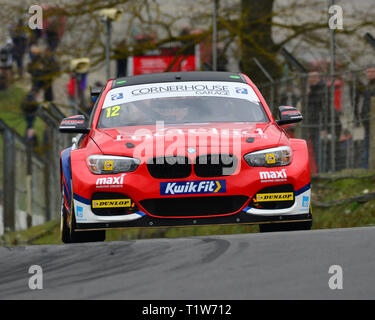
171,167
194,206
215,165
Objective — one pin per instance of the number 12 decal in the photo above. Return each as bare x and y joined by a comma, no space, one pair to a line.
113,111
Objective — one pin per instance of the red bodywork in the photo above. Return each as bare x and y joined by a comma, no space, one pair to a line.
140,185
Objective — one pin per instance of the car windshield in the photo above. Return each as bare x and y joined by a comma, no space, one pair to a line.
174,104
182,110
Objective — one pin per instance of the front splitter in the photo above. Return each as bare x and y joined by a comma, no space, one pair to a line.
238,218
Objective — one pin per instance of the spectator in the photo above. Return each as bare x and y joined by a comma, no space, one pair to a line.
35,68
19,39
222,60
288,96
338,83
121,54
186,41
368,104
6,63
43,68
97,84
54,26
205,50
315,111
29,107
50,72
71,91
34,36
77,81
31,138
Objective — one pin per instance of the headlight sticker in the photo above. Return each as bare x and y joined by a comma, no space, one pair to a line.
108,165
273,157
270,158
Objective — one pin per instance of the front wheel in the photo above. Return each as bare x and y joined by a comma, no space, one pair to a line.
64,228
70,235
285,226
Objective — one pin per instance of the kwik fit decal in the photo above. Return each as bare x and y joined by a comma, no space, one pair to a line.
192,187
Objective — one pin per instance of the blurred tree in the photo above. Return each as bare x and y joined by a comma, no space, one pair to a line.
256,40
247,28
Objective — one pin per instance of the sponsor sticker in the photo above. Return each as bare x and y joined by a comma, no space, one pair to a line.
112,203
196,88
110,181
180,89
305,201
108,165
273,176
241,90
117,96
270,158
284,196
192,187
79,212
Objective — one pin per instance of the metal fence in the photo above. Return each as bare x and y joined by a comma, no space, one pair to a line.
29,181
334,145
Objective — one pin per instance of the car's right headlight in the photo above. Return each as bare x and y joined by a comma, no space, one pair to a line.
273,157
103,164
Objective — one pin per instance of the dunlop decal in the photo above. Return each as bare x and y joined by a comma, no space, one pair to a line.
285,196
112,203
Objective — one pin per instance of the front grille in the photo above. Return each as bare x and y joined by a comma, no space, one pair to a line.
111,211
215,165
194,206
275,204
172,167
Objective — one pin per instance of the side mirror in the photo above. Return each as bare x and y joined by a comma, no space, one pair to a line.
95,93
74,124
288,115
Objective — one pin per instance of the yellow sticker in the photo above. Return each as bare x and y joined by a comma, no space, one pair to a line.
113,111
285,196
108,165
270,158
112,203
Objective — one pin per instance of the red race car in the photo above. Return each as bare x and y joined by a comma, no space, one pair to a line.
182,149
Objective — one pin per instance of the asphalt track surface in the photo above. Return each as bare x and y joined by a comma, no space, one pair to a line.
290,265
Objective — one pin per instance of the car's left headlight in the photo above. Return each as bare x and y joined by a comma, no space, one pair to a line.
103,164
273,157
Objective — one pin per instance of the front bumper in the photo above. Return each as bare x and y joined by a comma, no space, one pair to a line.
139,186
87,220
239,218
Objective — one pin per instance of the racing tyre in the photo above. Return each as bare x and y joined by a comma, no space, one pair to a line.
286,226
71,236
85,236
64,229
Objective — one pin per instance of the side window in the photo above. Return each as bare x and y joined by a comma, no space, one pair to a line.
93,111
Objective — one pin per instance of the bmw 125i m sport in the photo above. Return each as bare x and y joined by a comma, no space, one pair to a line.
179,149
